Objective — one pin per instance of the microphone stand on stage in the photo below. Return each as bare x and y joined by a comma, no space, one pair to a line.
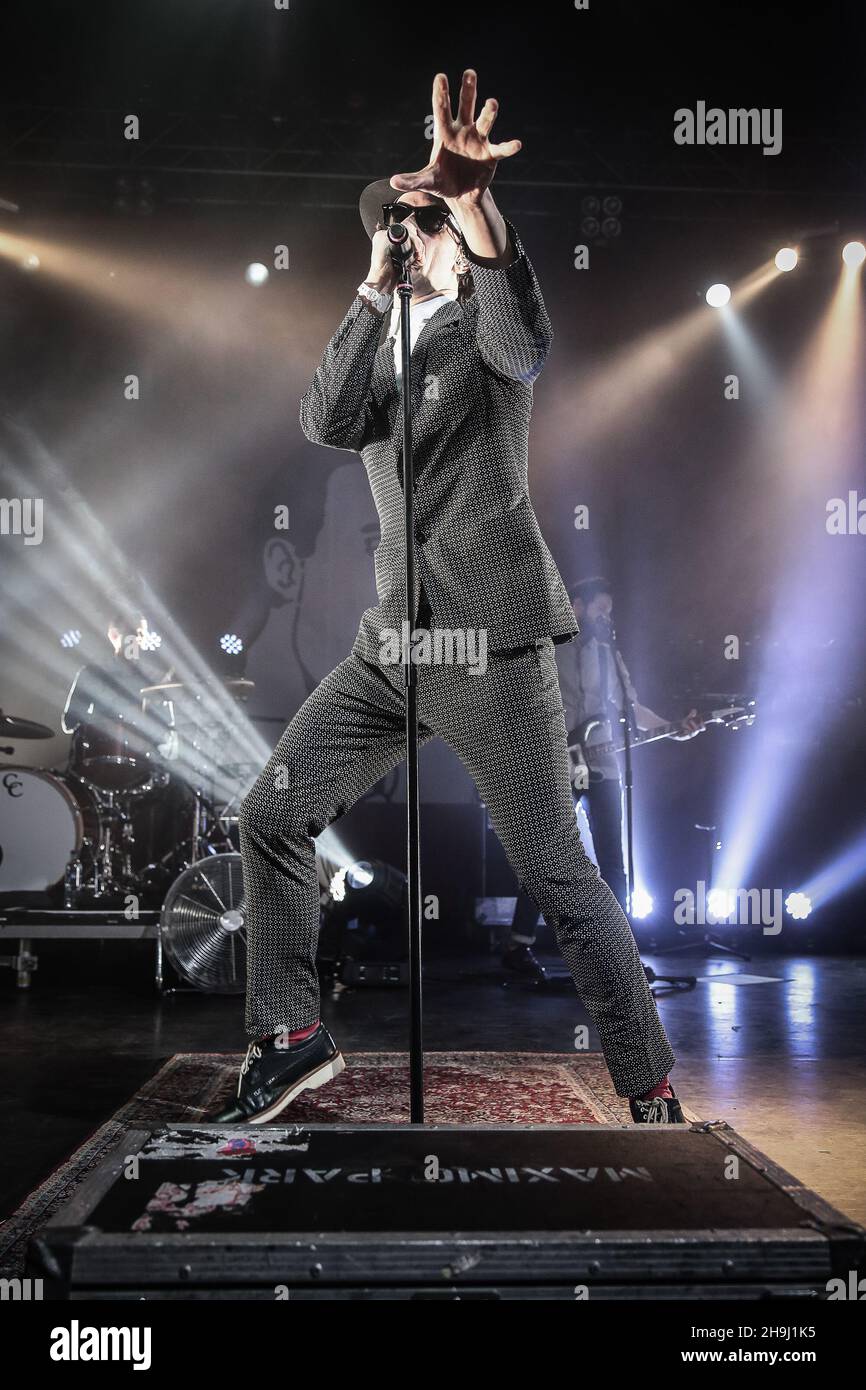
708,940
401,252
629,728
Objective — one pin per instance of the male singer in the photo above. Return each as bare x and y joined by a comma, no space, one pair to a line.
480,335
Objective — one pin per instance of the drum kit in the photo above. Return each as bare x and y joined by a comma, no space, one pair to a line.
141,799
145,813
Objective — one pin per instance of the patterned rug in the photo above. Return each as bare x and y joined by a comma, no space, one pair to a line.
460,1088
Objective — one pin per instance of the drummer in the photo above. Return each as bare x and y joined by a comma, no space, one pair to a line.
105,692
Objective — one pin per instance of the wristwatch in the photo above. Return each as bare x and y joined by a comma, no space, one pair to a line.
379,301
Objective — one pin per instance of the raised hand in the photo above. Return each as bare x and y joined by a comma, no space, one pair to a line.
463,160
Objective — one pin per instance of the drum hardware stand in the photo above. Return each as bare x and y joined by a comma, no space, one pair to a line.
105,876
195,839
24,963
102,872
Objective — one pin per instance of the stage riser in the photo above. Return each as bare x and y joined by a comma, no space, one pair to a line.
346,1211
705,1256
673,1293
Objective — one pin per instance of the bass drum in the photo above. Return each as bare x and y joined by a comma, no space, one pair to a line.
45,820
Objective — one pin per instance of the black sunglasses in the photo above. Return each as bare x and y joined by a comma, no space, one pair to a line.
429,219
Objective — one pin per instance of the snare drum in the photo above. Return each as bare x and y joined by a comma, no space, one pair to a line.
45,819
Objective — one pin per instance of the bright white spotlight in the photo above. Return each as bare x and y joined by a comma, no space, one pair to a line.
231,643
718,296
150,641
854,253
359,875
721,902
798,905
786,259
31,263
70,638
256,274
337,886
641,903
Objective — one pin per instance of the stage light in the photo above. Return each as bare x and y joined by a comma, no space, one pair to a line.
641,903
601,218
620,393
359,875
721,903
786,259
718,296
150,641
351,877
362,927
256,274
71,638
854,253
839,875
798,905
88,557
337,886
231,643
748,358
368,885
31,263
145,197
812,436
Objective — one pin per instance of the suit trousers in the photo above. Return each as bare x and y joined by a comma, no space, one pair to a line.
507,726
603,801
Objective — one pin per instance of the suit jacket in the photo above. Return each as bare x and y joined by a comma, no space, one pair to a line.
480,554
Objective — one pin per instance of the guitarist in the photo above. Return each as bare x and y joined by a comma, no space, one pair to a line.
589,678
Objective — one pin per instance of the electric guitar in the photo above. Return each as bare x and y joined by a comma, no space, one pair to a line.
731,715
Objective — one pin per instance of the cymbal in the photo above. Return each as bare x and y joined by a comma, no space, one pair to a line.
173,688
12,727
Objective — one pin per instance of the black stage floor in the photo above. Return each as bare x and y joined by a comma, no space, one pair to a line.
782,1056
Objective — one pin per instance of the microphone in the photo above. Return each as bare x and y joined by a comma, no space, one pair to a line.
399,244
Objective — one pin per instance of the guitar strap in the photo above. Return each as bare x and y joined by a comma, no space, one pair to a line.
604,675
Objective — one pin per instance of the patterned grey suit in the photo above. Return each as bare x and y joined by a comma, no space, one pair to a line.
483,564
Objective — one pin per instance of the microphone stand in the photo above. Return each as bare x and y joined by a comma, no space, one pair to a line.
401,251
628,725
